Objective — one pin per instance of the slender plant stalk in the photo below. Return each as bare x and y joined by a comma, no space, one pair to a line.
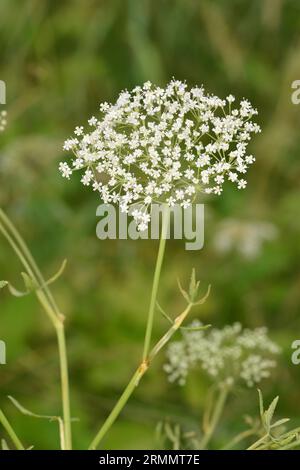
46,299
137,377
240,437
261,443
148,334
291,446
216,415
159,261
117,408
258,443
64,377
268,446
5,423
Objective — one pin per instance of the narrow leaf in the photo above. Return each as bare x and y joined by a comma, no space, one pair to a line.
164,314
24,411
58,274
270,411
183,292
280,422
12,289
35,415
204,298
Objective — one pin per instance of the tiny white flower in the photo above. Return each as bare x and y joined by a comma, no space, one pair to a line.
230,99
65,170
232,176
69,144
92,121
87,177
78,130
242,184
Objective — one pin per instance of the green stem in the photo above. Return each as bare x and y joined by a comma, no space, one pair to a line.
64,377
142,369
215,417
159,261
291,445
26,258
46,299
167,336
5,423
118,408
240,437
259,442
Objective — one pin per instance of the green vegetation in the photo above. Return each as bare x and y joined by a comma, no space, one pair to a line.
59,60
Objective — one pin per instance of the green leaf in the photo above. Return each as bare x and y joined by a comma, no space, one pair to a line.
280,422
183,292
164,314
170,432
191,296
30,284
4,445
24,411
270,411
58,274
15,292
204,298
291,446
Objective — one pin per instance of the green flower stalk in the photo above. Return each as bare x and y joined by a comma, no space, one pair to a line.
35,282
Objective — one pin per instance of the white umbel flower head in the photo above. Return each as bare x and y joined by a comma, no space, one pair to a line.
162,145
3,121
228,355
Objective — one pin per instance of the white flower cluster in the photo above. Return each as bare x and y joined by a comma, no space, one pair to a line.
226,355
163,145
245,237
3,121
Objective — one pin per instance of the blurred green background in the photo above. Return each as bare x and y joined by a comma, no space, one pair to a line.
60,59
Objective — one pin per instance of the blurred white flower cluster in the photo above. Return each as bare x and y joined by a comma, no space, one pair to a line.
3,121
247,238
163,145
227,355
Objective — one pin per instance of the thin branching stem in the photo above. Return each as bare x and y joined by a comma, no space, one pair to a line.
46,299
238,438
143,367
258,442
216,415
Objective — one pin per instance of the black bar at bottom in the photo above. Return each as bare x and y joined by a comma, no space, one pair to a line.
135,458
